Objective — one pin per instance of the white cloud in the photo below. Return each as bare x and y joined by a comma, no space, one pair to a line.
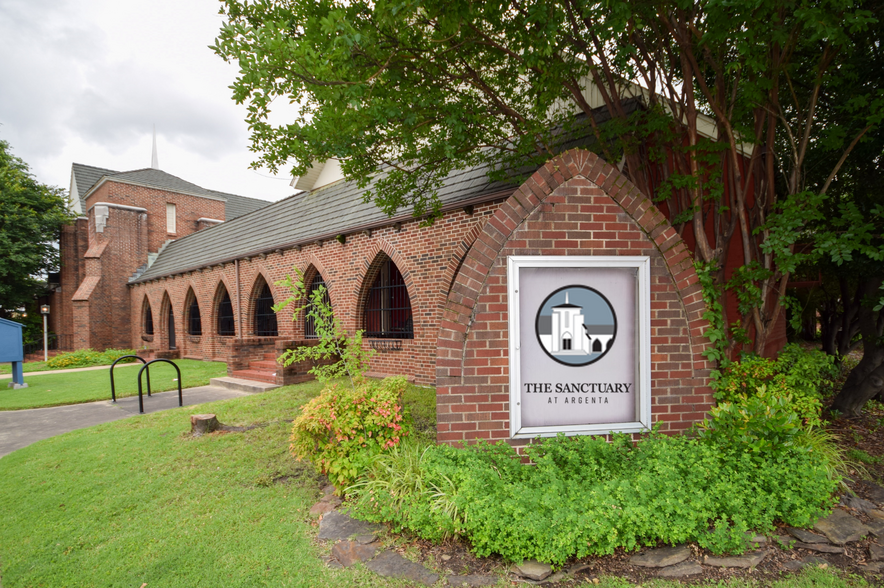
90,79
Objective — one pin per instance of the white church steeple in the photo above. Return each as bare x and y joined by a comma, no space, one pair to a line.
154,160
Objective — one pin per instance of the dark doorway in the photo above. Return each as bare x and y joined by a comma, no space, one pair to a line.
171,330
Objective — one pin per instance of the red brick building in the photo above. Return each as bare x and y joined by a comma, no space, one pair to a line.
125,219
432,299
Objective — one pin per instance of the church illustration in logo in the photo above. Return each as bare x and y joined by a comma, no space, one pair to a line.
576,325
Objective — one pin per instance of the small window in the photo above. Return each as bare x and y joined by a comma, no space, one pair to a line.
388,309
226,324
194,323
170,218
265,318
148,319
309,323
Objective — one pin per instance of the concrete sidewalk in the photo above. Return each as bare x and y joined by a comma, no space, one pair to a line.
20,428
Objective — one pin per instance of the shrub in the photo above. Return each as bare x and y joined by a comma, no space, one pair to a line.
342,428
585,496
799,376
87,358
765,422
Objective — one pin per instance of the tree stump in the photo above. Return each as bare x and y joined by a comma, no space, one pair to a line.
201,424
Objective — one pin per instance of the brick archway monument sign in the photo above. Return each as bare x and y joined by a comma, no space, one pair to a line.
577,309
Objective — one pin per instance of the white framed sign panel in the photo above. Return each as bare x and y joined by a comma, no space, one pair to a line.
579,345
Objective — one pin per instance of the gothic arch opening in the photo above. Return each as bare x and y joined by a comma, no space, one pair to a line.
264,318
315,284
192,319
225,325
169,323
387,309
146,317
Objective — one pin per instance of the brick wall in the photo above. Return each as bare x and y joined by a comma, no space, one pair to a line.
100,305
427,257
73,243
189,209
112,255
575,205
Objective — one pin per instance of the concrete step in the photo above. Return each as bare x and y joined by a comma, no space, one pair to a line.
264,366
242,385
257,375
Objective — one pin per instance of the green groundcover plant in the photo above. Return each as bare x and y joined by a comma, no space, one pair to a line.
584,496
87,358
760,458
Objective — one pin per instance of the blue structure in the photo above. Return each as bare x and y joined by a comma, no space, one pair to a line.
12,350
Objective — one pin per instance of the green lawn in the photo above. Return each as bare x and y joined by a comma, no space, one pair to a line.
31,366
77,387
139,501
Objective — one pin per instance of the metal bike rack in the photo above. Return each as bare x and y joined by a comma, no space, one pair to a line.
144,367
113,388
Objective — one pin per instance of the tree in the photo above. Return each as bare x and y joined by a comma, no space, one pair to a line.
31,216
417,89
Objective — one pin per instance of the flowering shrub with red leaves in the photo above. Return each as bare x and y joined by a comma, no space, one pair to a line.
342,428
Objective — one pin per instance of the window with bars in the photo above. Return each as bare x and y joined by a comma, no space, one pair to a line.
309,323
194,323
265,318
148,319
226,324
387,308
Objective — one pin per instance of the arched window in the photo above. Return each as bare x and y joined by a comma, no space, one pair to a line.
194,322
226,324
170,322
387,308
148,318
265,318
309,323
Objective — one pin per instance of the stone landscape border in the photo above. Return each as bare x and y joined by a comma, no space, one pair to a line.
356,541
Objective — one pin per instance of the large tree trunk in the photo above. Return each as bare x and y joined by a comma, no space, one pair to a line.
867,379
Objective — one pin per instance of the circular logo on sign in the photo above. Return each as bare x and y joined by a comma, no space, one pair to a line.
576,325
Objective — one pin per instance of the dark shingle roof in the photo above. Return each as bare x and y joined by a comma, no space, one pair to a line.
87,176
237,206
337,208
156,178
334,209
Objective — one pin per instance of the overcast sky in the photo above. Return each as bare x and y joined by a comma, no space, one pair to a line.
85,80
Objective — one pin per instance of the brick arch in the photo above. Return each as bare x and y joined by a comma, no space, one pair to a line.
371,264
459,383
216,302
458,256
251,297
315,268
166,307
312,266
145,306
190,294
